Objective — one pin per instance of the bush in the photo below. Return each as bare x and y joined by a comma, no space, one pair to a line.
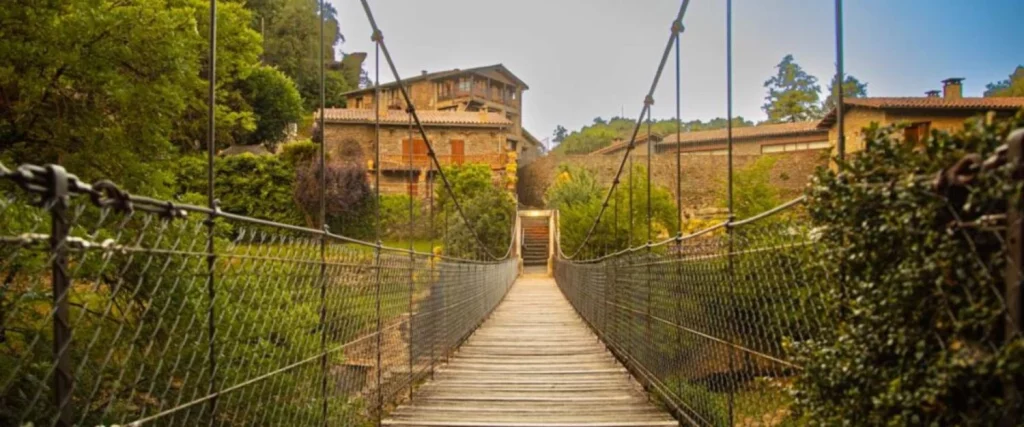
299,152
394,217
921,334
347,189
578,198
256,186
275,102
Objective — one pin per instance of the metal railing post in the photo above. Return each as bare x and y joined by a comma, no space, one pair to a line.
211,257
63,380
731,229
323,224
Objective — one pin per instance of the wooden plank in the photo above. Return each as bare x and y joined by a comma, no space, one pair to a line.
532,363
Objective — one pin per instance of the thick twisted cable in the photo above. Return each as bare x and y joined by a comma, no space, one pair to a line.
636,129
379,39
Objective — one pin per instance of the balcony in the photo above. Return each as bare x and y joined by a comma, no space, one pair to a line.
422,161
498,97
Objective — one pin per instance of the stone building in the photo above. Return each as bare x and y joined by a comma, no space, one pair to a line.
946,110
747,140
471,116
457,138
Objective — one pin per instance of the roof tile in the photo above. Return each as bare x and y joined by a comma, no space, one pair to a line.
392,117
928,103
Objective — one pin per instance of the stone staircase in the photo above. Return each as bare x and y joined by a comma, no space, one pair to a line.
535,238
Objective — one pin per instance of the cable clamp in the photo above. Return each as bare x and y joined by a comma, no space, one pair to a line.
648,100
106,193
377,36
677,27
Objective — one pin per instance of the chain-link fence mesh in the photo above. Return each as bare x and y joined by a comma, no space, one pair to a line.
709,322
705,330
272,325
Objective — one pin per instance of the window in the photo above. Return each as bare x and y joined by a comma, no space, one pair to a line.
709,152
418,150
801,146
412,185
458,151
464,85
916,132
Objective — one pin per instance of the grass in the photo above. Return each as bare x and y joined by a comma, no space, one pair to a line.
419,245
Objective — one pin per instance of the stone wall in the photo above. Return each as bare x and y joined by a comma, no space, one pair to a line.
478,140
703,177
484,143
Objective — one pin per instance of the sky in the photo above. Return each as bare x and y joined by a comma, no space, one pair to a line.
597,58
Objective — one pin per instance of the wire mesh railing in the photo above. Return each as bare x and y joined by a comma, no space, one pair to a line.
701,324
713,322
114,310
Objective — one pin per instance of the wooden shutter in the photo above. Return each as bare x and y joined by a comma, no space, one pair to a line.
458,151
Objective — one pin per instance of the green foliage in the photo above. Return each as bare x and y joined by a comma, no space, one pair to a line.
88,82
852,88
291,42
1012,86
753,191
574,186
297,152
578,199
275,103
560,133
395,220
85,82
256,186
921,336
490,210
792,94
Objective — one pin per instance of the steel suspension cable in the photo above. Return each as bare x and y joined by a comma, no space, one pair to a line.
679,145
730,229
323,224
650,153
648,100
377,249
378,38
211,258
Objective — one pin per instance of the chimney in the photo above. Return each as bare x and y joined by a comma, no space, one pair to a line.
932,94
423,72
953,88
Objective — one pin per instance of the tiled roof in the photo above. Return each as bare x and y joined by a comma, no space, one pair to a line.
928,103
621,144
446,73
399,117
717,135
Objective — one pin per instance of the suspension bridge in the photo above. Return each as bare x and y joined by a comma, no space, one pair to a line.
121,309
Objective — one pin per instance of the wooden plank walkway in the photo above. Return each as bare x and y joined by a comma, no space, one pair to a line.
533,363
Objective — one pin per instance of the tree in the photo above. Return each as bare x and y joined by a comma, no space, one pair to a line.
291,30
573,186
1013,86
792,94
246,184
97,85
560,134
490,210
275,103
599,121
578,199
238,52
852,88
753,191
